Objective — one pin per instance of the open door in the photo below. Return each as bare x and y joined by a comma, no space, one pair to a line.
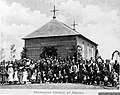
48,51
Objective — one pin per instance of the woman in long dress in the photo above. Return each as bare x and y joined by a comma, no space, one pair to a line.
25,75
16,76
10,73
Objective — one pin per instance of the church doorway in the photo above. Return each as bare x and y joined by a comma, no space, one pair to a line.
48,51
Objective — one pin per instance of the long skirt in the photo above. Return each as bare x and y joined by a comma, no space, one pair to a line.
16,77
4,78
20,78
24,78
0,78
10,77
33,77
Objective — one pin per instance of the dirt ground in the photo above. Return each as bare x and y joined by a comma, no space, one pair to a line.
55,86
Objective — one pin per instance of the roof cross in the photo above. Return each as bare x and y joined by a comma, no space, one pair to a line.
74,24
54,10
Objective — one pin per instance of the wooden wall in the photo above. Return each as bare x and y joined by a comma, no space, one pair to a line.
81,42
64,46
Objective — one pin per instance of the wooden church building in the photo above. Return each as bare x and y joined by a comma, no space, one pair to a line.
57,39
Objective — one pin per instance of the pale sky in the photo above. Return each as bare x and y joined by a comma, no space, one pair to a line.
99,20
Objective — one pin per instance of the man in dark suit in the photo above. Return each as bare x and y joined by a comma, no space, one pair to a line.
116,67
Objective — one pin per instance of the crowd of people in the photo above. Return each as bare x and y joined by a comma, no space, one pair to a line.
58,70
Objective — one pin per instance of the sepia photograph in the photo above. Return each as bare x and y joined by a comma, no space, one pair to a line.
56,45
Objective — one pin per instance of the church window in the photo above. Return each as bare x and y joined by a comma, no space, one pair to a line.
88,51
83,50
92,51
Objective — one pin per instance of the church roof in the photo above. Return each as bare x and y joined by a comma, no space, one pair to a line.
52,29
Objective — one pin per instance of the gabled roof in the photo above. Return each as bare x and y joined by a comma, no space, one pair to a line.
52,29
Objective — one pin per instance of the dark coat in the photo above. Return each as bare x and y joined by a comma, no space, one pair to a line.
3,74
116,67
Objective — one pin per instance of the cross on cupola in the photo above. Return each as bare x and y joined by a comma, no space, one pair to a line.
74,24
54,10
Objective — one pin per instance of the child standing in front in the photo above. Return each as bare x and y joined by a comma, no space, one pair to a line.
20,75
33,78
25,75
